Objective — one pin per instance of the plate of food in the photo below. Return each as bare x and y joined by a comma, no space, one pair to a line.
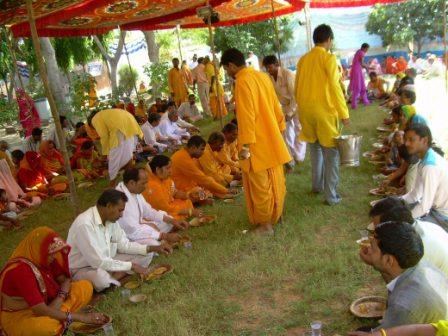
384,129
137,298
372,204
85,328
369,307
158,271
377,145
229,200
363,242
199,221
133,284
61,196
367,154
377,163
377,192
84,185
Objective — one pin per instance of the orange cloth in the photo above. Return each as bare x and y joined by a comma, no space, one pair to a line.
91,133
177,86
140,111
211,167
32,173
214,107
377,87
160,194
228,155
265,192
188,77
187,174
51,158
401,64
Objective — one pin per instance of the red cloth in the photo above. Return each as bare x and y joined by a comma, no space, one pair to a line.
31,171
28,115
130,108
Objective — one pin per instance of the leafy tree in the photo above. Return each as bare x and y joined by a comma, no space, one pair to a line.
6,65
258,37
412,21
157,73
128,79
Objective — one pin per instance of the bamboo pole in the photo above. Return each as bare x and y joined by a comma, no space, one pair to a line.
445,51
308,24
179,44
212,47
277,38
130,67
53,107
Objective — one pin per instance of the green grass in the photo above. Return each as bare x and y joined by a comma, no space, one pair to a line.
232,283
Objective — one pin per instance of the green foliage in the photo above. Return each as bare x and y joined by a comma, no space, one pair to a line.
258,37
63,54
406,22
158,77
5,55
167,41
128,79
8,111
71,51
79,94
27,54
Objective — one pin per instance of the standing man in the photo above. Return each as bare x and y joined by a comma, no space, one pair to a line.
321,104
262,150
283,80
200,78
177,84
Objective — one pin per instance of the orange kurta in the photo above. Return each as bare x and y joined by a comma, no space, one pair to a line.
187,174
260,126
160,194
211,167
215,99
228,155
177,86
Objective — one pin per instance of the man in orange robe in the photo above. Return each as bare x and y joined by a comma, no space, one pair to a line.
177,84
262,150
228,155
187,173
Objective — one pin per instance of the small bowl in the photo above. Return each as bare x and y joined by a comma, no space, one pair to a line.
229,200
369,307
138,298
133,284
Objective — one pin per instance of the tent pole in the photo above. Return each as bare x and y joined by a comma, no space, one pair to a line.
445,51
53,106
277,38
308,24
130,67
179,45
212,47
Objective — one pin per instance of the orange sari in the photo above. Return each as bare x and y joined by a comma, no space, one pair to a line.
51,158
32,253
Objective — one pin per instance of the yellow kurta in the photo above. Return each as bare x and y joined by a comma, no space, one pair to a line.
177,85
215,99
160,194
319,96
187,174
228,155
211,167
260,125
108,122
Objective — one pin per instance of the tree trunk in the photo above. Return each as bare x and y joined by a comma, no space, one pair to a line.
419,47
113,77
54,74
153,47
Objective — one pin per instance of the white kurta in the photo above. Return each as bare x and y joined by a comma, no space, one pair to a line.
172,130
121,155
150,136
190,111
284,87
137,217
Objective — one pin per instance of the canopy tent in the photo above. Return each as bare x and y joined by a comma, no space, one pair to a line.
347,3
230,13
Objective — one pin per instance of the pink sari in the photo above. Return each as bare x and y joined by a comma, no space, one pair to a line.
28,115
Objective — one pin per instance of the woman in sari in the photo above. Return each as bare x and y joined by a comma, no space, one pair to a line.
162,194
38,298
87,162
28,115
51,158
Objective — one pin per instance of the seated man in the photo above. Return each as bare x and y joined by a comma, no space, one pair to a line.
140,221
170,129
144,149
417,290
433,236
151,134
100,251
376,86
211,166
228,155
157,107
189,111
187,173
32,143
162,194
429,197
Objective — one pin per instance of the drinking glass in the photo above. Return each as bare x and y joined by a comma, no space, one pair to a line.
316,328
108,330
125,294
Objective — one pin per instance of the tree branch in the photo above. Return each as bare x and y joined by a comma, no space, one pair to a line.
101,48
120,46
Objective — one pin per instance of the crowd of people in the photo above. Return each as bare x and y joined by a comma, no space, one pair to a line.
169,171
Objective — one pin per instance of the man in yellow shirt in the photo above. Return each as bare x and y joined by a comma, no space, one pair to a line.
177,84
187,173
228,155
211,166
321,106
117,130
262,150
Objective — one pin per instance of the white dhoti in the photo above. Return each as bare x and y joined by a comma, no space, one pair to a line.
102,279
296,148
121,155
204,97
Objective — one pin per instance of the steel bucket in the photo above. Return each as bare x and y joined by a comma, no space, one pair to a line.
349,147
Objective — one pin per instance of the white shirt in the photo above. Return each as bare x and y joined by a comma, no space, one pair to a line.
391,285
193,64
137,216
94,244
284,87
30,146
431,186
435,243
150,135
171,129
188,110
253,62
53,136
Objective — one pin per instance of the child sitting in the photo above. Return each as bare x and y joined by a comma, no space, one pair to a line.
376,87
8,218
